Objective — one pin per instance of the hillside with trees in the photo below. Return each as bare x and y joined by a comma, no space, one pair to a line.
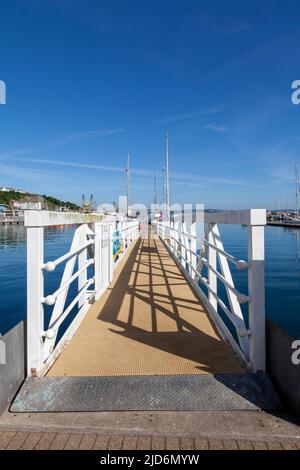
48,202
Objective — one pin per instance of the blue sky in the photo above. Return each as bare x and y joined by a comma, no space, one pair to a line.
88,81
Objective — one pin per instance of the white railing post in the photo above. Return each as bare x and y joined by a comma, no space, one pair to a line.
172,236
256,291
212,259
98,229
167,233
136,231
35,294
176,234
129,233
184,243
122,236
188,251
82,278
193,249
111,259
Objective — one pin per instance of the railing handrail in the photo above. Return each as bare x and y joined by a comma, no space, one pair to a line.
235,217
238,217
33,218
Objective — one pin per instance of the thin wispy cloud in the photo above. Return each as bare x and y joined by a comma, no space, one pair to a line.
72,137
32,177
281,174
216,128
189,184
139,172
207,179
61,140
89,166
37,180
270,52
189,116
234,28
14,153
200,21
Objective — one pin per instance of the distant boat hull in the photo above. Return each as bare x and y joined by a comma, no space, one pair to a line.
289,223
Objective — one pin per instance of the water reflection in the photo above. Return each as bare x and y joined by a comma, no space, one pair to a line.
295,235
12,235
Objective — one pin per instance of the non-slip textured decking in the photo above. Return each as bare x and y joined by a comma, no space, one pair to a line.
149,322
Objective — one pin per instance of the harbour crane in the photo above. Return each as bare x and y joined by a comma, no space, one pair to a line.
87,207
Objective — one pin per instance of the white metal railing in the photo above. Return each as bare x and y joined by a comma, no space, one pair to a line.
122,237
89,261
182,242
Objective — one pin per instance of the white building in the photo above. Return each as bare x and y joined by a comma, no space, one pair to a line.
24,206
7,189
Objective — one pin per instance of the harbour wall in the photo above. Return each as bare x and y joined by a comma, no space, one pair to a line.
284,374
12,366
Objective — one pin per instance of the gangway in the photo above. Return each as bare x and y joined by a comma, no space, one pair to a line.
152,332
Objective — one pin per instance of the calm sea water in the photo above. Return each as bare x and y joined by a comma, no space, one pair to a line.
282,270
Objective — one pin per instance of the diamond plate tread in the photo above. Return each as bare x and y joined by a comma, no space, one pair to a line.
142,393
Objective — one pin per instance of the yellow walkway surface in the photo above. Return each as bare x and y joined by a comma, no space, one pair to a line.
149,322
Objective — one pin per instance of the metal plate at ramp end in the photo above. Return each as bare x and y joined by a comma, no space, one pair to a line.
147,393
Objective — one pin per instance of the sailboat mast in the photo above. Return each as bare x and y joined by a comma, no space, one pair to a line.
164,184
167,189
297,189
128,183
155,191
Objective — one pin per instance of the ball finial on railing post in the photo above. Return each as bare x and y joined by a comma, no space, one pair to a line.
50,266
50,300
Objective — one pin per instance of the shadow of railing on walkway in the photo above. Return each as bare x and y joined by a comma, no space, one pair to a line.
149,258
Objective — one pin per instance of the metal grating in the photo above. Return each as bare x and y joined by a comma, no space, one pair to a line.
147,393
149,322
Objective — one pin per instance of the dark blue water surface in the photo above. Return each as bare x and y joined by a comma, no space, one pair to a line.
282,270
13,270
